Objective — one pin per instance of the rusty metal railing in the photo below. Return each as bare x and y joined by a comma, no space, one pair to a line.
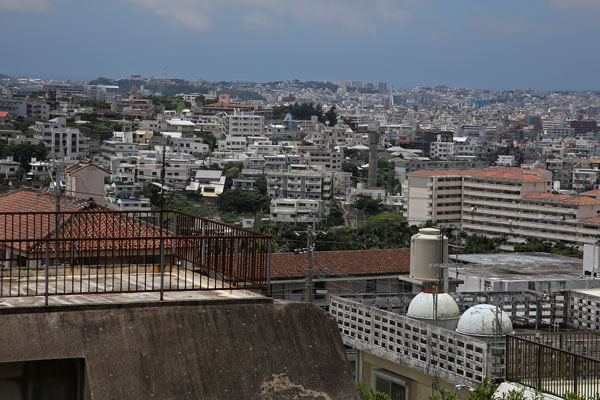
540,363
84,252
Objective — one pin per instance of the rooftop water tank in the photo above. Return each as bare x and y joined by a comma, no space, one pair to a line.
427,247
421,308
483,320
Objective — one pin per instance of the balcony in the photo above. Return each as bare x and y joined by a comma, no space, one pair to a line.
90,252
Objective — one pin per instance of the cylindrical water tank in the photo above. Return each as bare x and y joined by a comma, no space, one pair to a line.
422,308
426,247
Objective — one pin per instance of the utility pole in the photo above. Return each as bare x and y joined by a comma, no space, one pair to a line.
309,263
310,235
57,219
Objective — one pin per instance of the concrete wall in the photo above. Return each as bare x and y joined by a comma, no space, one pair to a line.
188,350
419,386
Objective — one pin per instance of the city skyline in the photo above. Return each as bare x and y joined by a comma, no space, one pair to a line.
539,44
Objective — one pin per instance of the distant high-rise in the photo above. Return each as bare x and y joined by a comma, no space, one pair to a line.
382,86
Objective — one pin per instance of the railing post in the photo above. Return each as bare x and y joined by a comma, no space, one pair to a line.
539,367
46,273
269,249
575,373
162,267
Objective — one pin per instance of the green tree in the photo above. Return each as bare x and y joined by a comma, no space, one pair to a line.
23,152
482,244
95,104
366,393
368,205
331,116
239,201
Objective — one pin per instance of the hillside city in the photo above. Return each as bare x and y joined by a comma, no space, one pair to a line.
267,153
189,239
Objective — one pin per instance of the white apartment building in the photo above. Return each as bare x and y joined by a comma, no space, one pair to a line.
511,202
193,146
234,144
584,179
107,93
298,210
114,148
242,124
154,125
557,128
326,157
62,142
441,150
300,184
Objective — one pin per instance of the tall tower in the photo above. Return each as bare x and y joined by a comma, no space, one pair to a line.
373,142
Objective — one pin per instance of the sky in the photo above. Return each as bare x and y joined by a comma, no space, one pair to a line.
539,44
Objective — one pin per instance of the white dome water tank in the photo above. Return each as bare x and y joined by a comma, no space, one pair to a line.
425,249
482,320
421,309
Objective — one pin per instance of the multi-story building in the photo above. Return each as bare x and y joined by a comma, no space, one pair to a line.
38,110
404,167
115,148
298,210
328,158
193,146
511,202
15,106
62,142
300,184
245,124
584,179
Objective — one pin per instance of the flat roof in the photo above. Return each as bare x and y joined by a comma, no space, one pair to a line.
519,266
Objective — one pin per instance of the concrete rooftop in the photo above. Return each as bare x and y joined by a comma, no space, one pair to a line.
519,266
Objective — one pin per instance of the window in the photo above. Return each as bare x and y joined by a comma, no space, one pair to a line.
391,384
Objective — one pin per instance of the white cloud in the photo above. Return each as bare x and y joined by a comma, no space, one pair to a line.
25,5
345,15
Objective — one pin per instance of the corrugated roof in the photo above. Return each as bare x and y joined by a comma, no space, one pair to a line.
342,263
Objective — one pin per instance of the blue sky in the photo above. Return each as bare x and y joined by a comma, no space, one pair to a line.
543,44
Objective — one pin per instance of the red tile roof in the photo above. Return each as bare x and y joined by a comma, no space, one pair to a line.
342,263
81,164
514,174
563,198
231,105
98,225
591,193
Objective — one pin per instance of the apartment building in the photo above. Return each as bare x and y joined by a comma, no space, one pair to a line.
245,124
328,158
511,202
193,146
404,167
38,110
115,148
62,142
300,184
298,210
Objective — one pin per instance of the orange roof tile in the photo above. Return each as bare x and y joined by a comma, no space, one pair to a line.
591,193
516,174
563,198
342,263
95,228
